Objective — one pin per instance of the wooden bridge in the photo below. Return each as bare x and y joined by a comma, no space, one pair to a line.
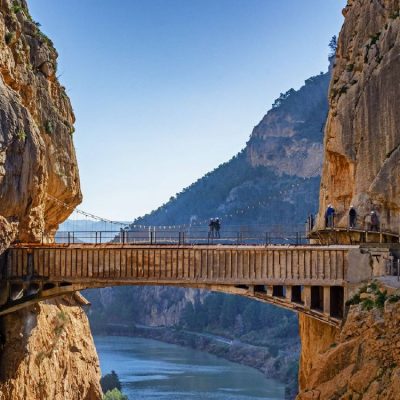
316,280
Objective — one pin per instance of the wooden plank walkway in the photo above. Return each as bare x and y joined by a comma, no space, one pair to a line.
301,265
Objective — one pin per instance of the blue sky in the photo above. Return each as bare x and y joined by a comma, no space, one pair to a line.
166,90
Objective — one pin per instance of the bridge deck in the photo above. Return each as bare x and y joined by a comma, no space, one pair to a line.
310,279
211,264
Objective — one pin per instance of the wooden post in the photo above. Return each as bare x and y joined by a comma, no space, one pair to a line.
270,290
327,300
288,293
307,297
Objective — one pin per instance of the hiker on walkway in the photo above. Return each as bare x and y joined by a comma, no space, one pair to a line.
374,221
217,228
211,228
352,217
310,222
330,217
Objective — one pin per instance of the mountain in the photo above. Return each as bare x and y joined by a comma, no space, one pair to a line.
274,179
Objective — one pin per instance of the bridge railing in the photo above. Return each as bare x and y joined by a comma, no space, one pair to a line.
181,237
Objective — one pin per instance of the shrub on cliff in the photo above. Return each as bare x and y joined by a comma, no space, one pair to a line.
109,382
371,296
114,394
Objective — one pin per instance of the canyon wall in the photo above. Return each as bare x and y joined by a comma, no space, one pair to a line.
361,167
37,156
362,362
47,351
49,354
362,139
316,338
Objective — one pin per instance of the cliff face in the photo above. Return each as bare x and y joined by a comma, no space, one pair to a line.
37,156
316,337
288,138
362,362
47,350
362,139
361,166
49,354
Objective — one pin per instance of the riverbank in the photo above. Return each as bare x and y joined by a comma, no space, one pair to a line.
276,364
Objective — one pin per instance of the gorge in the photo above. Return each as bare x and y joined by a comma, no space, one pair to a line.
47,346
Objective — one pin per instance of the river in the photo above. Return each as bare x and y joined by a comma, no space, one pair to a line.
149,369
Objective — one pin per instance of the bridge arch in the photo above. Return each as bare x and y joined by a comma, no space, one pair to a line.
23,295
315,280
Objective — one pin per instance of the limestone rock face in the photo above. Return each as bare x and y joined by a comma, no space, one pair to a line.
316,337
288,138
37,156
363,361
49,354
362,136
47,351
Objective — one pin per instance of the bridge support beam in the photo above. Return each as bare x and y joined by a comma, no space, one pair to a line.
327,300
307,297
289,293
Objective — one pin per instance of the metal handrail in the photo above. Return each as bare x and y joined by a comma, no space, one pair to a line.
244,237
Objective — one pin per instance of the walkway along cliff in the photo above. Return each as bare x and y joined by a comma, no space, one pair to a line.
361,167
47,350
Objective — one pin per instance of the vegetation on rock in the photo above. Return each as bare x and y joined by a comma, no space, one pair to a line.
110,381
372,296
114,394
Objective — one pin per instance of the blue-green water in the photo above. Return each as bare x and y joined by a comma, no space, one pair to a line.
154,370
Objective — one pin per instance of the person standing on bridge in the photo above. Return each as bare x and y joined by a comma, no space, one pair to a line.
374,221
330,217
310,222
352,217
211,228
217,228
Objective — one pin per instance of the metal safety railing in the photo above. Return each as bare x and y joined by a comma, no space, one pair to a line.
228,235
